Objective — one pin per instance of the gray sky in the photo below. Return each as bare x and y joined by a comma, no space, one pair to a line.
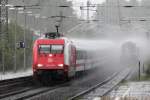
77,3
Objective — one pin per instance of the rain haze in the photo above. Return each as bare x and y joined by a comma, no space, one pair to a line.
111,35
89,47
112,28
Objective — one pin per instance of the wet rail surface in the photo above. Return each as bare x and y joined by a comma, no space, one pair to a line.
68,90
24,87
13,86
63,91
8,81
71,88
59,91
35,91
102,88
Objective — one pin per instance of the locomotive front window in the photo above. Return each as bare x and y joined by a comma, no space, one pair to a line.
44,48
54,49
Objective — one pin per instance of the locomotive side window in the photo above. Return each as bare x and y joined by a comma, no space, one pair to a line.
54,49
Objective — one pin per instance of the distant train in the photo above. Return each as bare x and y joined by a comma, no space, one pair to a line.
129,54
56,57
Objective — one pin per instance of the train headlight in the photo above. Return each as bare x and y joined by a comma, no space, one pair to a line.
60,65
40,65
50,55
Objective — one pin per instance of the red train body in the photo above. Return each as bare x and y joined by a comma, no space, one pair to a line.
59,58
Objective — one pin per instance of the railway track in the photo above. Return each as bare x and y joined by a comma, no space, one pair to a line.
8,81
72,90
13,86
23,88
33,92
102,88
19,89
63,91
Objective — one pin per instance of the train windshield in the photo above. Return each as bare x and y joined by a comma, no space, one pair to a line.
53,49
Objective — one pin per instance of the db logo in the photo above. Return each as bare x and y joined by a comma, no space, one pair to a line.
50,60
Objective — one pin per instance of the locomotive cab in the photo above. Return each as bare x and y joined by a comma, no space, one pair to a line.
54,58
51,56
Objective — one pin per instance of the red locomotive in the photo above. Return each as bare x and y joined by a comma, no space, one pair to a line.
55,57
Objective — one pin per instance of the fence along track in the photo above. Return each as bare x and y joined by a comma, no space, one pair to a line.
102,88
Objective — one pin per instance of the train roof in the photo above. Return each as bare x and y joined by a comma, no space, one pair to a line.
50,41
60,40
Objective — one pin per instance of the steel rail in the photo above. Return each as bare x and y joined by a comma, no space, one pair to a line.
127,74
83,93
15,92
9,86
34,92
14,80
6,85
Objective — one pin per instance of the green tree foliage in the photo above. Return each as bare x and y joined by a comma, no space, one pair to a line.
9,48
